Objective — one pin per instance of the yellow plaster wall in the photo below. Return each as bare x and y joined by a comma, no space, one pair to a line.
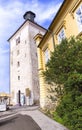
68,21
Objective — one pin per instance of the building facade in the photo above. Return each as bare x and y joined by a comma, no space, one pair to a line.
24,84
67,22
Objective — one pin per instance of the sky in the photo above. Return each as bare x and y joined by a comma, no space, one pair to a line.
11,18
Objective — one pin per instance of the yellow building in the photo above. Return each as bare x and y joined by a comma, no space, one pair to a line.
67,22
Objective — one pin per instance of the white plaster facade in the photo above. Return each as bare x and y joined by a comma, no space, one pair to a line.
25,74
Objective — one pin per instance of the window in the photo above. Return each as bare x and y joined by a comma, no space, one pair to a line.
18,52
25,41
46,55
17,40
25,54
11,58
18,64
61,35
11,61
79,17
36,54
18,77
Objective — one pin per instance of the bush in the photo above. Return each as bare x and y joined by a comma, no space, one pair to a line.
65,68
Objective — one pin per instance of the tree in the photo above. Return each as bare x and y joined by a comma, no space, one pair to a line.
65,68
64,61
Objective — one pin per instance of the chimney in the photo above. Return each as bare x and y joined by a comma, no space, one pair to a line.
29,16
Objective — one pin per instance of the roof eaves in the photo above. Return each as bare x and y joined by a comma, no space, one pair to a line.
49,29
22,25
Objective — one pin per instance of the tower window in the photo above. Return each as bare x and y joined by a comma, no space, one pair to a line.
25,54
18,64
18,52
36,54
18,77
25,41
17,40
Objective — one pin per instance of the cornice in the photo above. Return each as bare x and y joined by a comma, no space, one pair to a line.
76,4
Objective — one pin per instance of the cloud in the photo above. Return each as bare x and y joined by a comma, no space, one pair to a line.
47,14
11,13
11,17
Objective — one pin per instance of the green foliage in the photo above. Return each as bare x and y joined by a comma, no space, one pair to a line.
74,82
57,118
70,111
65,68
66,59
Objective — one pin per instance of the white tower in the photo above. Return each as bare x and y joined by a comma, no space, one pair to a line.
23,61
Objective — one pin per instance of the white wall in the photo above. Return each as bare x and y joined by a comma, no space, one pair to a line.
28,61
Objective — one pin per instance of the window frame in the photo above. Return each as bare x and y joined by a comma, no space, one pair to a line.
18,77
60,33
79,17
46,54
18,52
17,40
18,64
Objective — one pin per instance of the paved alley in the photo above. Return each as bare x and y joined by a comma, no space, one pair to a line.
26,116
